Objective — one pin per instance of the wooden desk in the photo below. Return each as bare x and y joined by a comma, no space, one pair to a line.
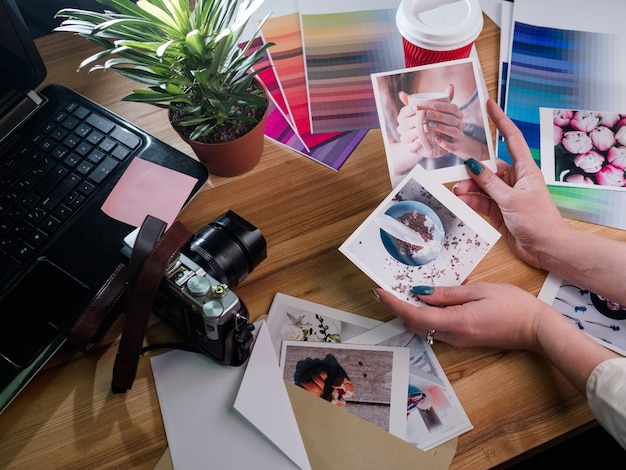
67,417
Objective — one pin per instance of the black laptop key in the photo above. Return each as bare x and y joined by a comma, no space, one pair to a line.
23,251
53,178
122,135
58,133
79,111
70,123
61,190
100,123
95,137
107,144
43,166
103,170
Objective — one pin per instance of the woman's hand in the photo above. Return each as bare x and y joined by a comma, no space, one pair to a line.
516,198
445,119
481,314
501,316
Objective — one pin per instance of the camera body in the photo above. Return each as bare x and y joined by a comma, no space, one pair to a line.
195,296
209,311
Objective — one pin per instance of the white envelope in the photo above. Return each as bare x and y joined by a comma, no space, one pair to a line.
264,401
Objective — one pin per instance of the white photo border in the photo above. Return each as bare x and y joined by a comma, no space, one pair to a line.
548,155
458,258
446,174
399,375
424,369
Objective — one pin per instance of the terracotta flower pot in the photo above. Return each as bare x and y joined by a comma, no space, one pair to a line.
232,158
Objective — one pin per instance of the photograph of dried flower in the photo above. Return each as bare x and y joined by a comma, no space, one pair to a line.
583,148
367,381
294,319
421,234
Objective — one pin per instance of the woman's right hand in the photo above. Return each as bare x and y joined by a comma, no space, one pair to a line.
516,198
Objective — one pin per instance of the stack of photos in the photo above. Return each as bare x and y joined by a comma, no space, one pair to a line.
434,412
375,370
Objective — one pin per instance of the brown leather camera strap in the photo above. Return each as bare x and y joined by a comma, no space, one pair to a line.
101,312
140,297
154,249
106,305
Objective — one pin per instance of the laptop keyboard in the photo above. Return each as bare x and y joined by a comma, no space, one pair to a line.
49,176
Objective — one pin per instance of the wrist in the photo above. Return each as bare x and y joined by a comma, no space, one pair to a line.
554,252
552,331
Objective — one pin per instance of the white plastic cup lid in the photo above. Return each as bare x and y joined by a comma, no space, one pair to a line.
440,25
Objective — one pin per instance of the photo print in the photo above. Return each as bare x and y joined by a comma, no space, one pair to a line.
293,319
434,414
583,148
434,116
600,318
368,381
421,234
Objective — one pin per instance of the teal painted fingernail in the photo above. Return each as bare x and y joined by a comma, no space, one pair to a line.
422,290
473,165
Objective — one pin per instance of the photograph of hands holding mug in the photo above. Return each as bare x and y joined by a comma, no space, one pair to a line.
516,200
433,116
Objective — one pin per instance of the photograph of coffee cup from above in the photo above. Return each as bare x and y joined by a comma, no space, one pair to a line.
434,116
420,235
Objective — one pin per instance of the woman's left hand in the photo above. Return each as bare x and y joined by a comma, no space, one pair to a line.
473,314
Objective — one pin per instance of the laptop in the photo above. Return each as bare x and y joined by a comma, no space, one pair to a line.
60,156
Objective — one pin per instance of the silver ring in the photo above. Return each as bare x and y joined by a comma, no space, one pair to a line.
430,337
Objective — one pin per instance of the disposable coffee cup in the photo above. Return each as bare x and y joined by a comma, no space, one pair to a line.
438,30
427,135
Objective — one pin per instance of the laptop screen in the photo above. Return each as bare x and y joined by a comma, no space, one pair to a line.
21,65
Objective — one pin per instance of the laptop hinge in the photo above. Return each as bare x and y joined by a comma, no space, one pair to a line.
30,104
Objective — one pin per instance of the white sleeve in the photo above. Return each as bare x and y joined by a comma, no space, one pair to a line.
606,395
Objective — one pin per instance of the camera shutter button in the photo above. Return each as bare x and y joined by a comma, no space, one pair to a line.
199,286
212,309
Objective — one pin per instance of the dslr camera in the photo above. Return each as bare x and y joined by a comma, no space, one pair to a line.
195,296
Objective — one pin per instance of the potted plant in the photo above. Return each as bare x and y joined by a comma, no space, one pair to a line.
194,62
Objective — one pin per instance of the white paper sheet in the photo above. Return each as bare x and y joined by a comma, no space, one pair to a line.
203,430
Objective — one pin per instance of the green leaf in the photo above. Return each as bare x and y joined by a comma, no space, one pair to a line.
195,42
158,13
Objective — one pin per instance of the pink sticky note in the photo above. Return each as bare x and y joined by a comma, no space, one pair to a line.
146,188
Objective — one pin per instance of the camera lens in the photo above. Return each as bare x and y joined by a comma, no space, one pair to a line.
228,248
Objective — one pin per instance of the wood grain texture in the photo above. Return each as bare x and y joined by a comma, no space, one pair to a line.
68,418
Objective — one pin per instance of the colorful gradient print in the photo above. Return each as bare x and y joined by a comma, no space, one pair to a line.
288,61
341,50
558,68
332,151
